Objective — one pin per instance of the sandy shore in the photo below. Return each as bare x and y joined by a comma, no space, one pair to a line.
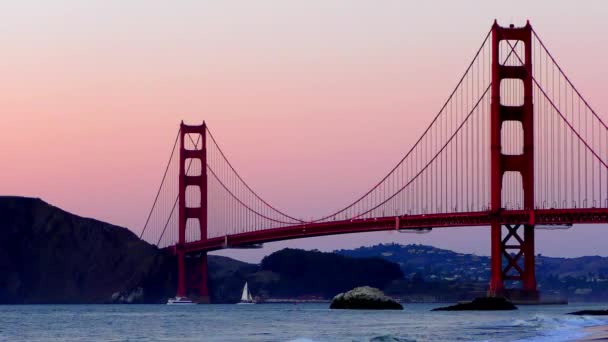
599,333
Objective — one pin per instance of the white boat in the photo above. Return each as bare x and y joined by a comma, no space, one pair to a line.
246,297
179,301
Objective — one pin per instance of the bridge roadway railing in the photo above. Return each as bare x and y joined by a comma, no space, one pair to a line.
405,222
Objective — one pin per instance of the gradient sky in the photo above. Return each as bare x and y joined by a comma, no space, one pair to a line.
313,101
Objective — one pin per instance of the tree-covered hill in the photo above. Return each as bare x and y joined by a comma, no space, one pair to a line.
296,273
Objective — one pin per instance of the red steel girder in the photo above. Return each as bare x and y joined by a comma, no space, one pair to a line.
468,219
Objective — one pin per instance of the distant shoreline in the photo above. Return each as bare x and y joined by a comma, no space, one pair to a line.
293,301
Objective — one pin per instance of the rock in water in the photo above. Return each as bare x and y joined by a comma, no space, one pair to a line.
590,313
364,297
481,303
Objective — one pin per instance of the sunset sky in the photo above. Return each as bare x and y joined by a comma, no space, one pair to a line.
313,101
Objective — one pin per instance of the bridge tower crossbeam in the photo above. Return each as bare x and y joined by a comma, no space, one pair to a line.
192,269
522,164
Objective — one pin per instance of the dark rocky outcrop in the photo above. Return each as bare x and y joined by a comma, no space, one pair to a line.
590,313
365,298
482,303
48,255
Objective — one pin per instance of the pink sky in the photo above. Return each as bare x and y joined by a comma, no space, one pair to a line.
298,94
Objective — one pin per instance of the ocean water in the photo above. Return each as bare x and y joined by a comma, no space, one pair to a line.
287,322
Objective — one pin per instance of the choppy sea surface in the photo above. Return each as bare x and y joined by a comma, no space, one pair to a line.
288,322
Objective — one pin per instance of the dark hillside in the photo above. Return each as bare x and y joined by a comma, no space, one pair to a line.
579,279
48,255
294,272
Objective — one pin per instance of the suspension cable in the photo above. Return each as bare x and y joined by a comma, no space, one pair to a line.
160,186
246,185
434,157
559,111
177,198
568,79
416,143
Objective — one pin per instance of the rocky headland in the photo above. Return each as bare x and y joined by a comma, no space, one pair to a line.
50,256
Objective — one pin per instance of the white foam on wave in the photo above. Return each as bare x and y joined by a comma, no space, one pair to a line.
563,328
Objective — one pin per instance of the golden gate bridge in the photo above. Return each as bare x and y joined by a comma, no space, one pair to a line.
515,146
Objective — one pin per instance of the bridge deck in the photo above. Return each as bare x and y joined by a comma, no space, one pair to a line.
465,219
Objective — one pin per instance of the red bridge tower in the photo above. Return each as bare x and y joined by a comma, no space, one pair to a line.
515,248
192,269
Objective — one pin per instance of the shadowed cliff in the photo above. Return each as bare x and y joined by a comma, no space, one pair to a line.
48,255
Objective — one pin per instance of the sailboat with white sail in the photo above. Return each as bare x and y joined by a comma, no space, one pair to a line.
246,297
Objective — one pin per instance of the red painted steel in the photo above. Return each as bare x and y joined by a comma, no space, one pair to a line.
516,247
501,163
193,270
412,222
